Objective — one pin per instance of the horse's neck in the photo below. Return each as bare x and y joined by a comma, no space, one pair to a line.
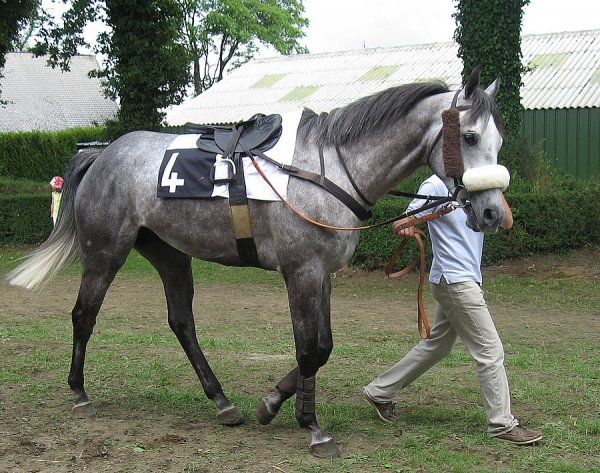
379,163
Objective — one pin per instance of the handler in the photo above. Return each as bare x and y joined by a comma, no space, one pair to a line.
461,311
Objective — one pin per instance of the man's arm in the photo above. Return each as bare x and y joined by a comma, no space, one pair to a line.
507,222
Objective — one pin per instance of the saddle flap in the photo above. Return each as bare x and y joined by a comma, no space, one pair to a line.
261,133
207,143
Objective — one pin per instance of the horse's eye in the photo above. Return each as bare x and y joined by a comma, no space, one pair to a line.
471,138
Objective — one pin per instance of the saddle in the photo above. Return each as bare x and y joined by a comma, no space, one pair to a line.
261,133
230,144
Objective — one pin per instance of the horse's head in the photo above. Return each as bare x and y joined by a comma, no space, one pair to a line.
471,139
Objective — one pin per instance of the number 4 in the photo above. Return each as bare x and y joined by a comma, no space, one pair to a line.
169,178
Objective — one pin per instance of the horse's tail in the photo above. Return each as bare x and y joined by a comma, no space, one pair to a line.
61,247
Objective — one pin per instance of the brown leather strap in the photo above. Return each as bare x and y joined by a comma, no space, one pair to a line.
419,235
426,218
422,321
436,202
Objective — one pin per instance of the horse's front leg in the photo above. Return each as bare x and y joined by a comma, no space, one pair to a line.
269,406
309,296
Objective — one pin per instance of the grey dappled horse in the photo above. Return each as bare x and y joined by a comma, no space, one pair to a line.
109,207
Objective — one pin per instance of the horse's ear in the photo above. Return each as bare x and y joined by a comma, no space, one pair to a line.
473,82
492,90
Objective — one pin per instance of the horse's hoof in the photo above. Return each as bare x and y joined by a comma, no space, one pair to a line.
84,410
230,416
327,449
264,415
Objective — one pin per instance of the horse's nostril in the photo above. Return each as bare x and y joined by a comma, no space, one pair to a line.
490,216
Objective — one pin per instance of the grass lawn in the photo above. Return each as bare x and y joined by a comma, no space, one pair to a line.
153,415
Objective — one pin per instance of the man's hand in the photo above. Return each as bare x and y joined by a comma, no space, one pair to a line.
404,232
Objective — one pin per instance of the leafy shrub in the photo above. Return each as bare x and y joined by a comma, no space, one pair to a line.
10,186
544,222
24,219
548,222
39,155
552,212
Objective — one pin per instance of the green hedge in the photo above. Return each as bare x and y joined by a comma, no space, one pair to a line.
551,222
39,155
547,222
24,219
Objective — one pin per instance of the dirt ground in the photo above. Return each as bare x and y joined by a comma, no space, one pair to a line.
49,439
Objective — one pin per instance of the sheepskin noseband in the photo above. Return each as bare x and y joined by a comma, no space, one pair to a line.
493,176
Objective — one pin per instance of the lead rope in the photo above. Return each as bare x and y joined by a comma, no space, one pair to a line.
419,235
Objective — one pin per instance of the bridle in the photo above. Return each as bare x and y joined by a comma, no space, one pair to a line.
451,152
438,136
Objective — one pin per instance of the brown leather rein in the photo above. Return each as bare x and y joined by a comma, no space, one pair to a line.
418,235
437,200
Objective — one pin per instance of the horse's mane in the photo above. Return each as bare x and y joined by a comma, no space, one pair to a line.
364,116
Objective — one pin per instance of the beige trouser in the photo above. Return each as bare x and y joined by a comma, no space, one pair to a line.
461,311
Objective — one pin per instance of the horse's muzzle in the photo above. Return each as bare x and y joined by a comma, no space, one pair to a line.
483,213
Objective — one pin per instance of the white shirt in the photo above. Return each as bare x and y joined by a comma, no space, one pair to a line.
457,249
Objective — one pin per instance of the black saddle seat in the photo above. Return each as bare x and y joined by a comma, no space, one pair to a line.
261,132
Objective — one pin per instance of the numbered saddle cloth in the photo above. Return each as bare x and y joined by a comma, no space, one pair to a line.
185,169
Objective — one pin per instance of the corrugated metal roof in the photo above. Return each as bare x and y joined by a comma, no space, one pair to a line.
42,98
564,74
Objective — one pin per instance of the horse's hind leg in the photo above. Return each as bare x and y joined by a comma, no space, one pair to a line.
97,275
175,270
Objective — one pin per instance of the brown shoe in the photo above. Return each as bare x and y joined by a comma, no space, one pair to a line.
385,410
519,435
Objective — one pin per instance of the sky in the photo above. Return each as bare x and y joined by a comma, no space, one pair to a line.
338,25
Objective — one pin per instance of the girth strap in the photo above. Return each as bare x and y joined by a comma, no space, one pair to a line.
240,214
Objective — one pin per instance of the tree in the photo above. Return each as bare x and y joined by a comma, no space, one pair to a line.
145,67
152,44
13,16
488,33
222,33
